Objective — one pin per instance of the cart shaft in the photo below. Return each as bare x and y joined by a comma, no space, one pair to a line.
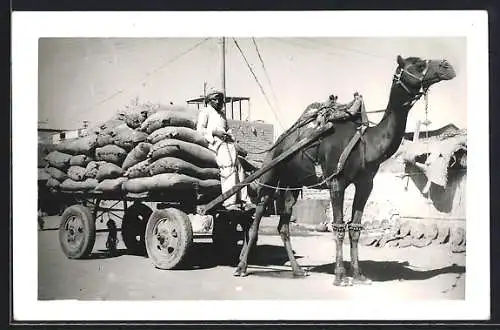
203,209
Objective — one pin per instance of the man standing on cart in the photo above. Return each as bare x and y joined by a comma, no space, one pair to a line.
212,123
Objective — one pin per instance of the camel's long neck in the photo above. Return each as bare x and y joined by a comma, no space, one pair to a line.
384,139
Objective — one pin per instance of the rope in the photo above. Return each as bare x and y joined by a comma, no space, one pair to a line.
154,71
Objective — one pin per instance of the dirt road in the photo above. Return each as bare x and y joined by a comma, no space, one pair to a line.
410,273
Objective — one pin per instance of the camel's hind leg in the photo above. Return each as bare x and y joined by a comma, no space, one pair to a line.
286,201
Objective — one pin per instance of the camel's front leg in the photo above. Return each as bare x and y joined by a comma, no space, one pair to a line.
337,189
363,190
286,202
241,270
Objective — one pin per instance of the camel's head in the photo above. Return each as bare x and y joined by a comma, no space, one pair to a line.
415,73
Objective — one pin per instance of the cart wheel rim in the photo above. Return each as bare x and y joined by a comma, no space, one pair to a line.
166,235
74,233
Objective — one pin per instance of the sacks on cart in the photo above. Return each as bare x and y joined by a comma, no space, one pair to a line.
84,145
190,152
111,185
166,118
137,155
80,160
108,171
181,182
139,170
171,182
180,133
111,153
58,159
126,137
76,173
56,173
177,165
138,185
71,185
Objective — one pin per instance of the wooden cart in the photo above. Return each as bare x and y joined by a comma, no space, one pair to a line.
165,234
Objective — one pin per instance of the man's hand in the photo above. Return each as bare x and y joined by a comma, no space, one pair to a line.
225,136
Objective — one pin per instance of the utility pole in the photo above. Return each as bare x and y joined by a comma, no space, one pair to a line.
223,70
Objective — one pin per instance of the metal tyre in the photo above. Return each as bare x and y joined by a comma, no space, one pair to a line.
77,232
134,227
169,237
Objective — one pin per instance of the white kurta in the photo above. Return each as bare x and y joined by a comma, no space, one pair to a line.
231,173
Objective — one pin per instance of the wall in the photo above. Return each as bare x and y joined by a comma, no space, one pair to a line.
393,195
253,136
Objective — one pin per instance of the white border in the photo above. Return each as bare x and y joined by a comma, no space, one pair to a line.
28,27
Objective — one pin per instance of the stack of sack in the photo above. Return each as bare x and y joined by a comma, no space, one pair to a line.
175,157
142,149
67,164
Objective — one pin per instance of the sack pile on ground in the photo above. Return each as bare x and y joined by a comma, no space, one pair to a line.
144,148
411,233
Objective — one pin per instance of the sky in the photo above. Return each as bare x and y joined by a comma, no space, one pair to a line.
91,78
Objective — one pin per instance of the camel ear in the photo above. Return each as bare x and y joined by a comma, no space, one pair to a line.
400,61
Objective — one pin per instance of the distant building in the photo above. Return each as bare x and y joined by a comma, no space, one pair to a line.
53,135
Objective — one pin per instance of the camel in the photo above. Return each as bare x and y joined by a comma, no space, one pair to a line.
412,78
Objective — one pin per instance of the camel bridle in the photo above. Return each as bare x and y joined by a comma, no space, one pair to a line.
421,90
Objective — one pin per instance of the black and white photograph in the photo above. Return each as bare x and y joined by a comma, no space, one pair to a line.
276,166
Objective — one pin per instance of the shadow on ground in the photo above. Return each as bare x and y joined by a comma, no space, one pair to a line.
382,271
106,254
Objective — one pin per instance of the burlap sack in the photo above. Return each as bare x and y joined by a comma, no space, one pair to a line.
179,133
111,153
138,185
190,152
168,118
180,182
104,140
126,137
91,169
111,185
138,154
80,160
77,173
56,173
108,171
43,175
58,159
71,185
53,183
139,170
106,127
176,165
135,118
80,146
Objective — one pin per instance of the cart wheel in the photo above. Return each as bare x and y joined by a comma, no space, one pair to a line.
169,236
134,226
77,232
225,239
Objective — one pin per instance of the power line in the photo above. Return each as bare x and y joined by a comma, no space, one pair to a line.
149,74
315,41
266,73
258,82
322,50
